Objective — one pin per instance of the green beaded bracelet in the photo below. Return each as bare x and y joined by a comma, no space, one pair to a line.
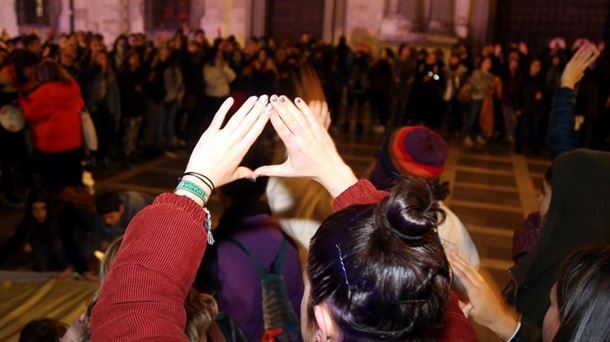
193,188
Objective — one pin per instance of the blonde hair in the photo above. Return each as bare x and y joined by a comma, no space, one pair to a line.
201,311
105,265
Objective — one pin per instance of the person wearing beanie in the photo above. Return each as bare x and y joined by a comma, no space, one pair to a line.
418,151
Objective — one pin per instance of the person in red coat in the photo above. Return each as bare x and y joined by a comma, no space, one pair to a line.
53,110
143,296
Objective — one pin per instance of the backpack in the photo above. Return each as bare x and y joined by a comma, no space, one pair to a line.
280,320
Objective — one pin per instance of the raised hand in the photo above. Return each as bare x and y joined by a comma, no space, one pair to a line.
485,305
219,151
575,69
311,151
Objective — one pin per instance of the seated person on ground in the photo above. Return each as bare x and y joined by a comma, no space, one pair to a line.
117,208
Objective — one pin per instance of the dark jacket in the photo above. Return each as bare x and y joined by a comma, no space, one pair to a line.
132,85
531,86
578,216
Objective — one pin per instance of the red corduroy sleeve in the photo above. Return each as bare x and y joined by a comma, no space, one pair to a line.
142,298
363,192
457,327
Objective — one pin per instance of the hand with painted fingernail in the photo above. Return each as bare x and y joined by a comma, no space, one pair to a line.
220,150
311,151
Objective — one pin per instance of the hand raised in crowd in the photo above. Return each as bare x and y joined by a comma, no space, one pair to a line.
575,69
311,150
485,305
220,150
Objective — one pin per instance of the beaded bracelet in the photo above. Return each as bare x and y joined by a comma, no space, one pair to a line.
193,188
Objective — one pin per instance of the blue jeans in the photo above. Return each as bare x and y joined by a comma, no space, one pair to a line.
166,130
472,123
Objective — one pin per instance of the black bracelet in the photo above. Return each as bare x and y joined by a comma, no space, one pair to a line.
207,181
198,176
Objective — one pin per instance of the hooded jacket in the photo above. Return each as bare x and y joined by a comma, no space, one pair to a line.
53,112
579,215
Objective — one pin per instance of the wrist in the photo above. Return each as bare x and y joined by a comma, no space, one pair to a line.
338,179
193,196
505,324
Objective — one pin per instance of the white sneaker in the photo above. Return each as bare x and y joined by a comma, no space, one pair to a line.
468,142
480,140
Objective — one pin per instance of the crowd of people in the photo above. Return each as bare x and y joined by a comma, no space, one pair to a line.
388,261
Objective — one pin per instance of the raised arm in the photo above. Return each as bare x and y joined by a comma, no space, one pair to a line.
143,296
311,151
561,136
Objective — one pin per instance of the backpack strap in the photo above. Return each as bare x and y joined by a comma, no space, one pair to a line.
278,263
261,269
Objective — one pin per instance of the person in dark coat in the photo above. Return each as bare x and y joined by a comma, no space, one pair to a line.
381,85
532,109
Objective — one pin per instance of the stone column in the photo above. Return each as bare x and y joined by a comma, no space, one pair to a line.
259,17
197,13
392,8
413,13
8,17
440,16
327,24
461,16
478,23
136,16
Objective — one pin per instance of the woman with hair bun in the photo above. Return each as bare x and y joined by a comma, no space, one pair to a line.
379,272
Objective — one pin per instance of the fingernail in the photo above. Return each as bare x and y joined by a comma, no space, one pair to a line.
283,99
298,100
252,179
274,98
252,99
262,99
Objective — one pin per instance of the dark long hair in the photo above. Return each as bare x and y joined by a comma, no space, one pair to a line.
583,296
51,71
381,268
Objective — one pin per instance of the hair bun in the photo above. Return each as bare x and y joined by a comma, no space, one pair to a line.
410,209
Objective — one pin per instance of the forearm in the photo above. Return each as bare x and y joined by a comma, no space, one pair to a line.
338,179
143,295
561,136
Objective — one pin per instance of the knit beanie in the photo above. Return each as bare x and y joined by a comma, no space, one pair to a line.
410,150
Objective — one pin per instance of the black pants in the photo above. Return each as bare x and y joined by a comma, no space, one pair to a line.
104,127
380,106
13,158
58,170
530,126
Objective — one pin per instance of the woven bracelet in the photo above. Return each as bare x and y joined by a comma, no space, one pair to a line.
193,188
